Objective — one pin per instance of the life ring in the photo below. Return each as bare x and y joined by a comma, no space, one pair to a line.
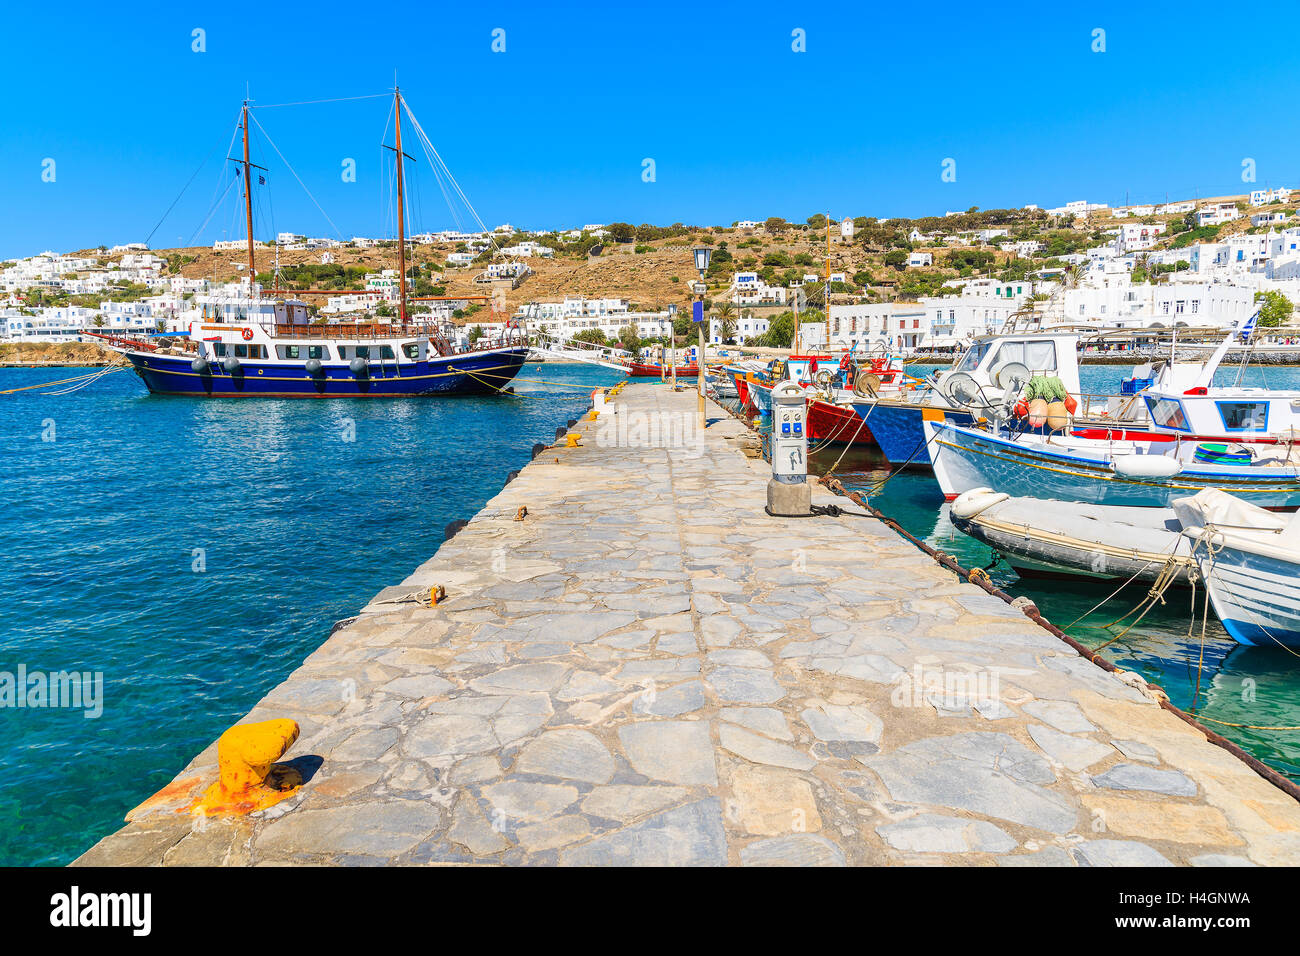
247,334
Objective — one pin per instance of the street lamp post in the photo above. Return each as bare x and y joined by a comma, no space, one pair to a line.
702,255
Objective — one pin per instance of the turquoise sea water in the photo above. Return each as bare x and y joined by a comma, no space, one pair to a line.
300,511
298,526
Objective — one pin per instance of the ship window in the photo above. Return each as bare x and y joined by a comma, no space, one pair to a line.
386,353
971,360
411,350
363,351
1244,416
1036,356
241,351
218,349
1167,413
317,352
257,351
288,351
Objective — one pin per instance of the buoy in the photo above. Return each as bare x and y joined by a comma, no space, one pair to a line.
970,503
1057,416
1145,466
1071,404
314,367
359,367
1038,412
230,364
200,365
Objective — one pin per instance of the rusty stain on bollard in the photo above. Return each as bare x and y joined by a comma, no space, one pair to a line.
522,513
249,778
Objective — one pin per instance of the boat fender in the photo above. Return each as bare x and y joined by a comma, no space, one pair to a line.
1145,466
200,365
970,503
230,364
314,367
359,367
1037,413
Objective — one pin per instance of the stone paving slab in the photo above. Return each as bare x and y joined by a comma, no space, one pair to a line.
649,670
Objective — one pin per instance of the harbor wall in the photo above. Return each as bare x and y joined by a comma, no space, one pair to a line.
634,664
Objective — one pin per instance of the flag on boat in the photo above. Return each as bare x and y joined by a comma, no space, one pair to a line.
1248,326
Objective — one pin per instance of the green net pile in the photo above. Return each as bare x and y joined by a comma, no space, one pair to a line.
1047,387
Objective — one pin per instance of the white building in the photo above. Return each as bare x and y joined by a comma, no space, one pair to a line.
892,325
1217,213
1136,236
1120,303
578,313
748,289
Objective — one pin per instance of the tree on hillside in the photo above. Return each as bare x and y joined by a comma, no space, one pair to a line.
775,225
629,338
594,336
621,231
1275,311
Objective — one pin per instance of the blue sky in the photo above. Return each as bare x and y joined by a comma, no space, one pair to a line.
553,132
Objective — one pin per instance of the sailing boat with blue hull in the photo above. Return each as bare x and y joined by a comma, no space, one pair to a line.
256,346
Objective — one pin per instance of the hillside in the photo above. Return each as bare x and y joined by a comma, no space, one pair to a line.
654,269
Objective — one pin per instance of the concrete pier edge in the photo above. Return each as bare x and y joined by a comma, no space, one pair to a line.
647,669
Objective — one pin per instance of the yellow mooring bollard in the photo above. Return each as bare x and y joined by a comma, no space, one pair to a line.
571,440
249,779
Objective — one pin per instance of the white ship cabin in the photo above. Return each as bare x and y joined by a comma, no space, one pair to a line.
1042,353
1183,399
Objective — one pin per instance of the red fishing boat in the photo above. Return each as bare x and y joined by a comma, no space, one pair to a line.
654,370
832,424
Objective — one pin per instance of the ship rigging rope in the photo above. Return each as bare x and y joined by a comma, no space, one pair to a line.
337,232
77,380
187,185
439,168
336,99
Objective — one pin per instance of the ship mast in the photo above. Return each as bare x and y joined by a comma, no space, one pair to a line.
248,205
248,202
827,338
401,206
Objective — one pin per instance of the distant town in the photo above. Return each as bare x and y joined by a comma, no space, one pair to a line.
909,285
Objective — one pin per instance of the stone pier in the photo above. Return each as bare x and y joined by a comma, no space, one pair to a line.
644,668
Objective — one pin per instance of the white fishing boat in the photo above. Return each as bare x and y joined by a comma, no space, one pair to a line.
1142,473
1249,559
1047,537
